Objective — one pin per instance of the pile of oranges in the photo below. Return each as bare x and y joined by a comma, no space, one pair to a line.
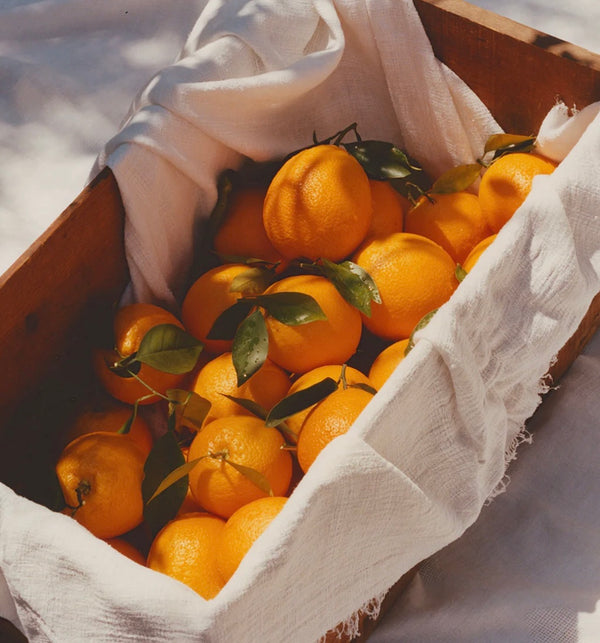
303,305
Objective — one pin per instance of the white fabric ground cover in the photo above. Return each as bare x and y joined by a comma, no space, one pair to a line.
416,468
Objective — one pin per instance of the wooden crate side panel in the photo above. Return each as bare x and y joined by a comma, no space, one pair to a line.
59,285
518,72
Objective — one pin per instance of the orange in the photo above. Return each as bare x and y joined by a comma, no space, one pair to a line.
242,233
245,440
352,376
218,378
318,204
327,420
112,419
242,529
389,209
414,275
330,341
206,299
477,251
454,221
127,549
506,183
130,325
105,470
185,550
385,363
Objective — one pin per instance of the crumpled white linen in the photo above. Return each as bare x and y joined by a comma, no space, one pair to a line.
528,570
258,79
415,470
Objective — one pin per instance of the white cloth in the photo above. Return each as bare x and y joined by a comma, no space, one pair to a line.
415,470
529,569
247,83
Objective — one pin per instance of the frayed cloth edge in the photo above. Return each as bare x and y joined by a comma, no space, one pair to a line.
524,436
350,628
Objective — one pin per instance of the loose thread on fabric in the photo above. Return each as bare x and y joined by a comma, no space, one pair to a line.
524,436
350,628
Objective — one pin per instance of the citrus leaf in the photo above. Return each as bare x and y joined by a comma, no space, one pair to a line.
170,349
175,476
420,324
412,186
456,179
250,346
188,407
164,457
352,282
300,400
506,142
126,427
249,261
460,273
253,281
381,160
255,477
363,387
291,308
126,367
226,324
250,405
225,187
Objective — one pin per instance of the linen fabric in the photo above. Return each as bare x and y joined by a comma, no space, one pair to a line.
415,470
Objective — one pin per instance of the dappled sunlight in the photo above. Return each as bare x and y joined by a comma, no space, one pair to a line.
68,73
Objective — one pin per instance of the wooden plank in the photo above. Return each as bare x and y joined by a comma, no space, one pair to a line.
518,72
77,266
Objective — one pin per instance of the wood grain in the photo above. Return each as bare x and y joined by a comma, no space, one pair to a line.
517,72
51,296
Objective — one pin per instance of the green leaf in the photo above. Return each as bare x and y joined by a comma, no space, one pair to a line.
250,346
420,324
457,179
176,475
255,477
253,281
226,324
249,261
291,308
352,282
165,457
508,142
225,188
188,407
170,349
363,387
126,367
300,400
250,405
381,160
460,273
124,430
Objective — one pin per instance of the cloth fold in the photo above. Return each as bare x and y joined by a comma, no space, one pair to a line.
247,84
414,471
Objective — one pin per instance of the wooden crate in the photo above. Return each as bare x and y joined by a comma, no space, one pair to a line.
58,297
